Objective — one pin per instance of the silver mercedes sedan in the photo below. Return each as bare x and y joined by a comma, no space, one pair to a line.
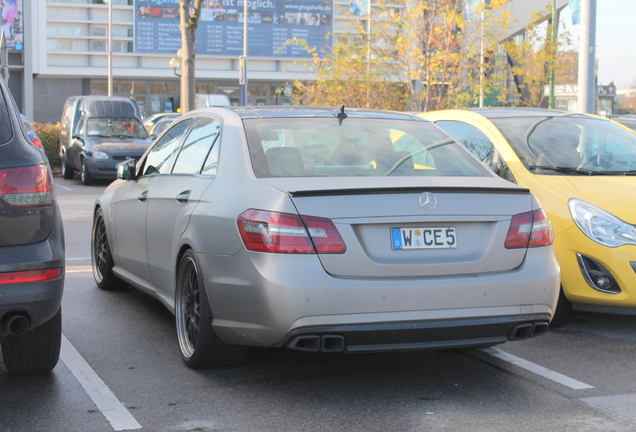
324,230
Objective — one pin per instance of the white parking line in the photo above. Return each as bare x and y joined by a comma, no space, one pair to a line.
79,269
537,369
112,409
57,185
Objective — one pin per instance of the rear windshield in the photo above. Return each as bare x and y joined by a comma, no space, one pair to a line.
307,147
5,121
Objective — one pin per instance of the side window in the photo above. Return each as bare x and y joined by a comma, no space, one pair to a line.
479,145
80,127
158,160
473,139
5,121
212,161
197,146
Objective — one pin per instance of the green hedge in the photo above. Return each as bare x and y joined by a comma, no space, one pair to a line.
50,136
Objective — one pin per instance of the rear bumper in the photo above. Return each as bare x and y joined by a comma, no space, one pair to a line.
105,169
38,301
411,335
268,299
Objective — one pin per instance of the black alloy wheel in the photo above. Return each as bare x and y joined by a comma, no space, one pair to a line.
200,346
101,258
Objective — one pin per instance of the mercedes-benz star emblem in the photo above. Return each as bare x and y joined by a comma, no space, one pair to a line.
428,201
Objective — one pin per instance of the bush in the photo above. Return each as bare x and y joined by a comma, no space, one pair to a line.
49,134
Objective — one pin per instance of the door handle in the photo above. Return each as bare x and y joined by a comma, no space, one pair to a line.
184,196
143,196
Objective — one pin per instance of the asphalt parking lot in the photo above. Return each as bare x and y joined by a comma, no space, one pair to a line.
120,369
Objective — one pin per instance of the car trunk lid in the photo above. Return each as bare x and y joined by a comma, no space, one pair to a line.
450,226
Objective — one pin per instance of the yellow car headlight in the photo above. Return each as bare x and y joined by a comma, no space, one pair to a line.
601,226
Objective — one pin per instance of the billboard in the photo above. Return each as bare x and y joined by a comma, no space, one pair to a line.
271,23
11,23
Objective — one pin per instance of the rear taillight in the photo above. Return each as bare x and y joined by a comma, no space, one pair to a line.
532,229
265,231
26,186
37,142
30,276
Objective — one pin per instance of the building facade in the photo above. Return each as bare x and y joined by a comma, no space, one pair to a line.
65,50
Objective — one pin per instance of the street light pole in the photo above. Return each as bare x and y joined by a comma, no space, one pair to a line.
110,48
553,38
481,60
587,85
243,59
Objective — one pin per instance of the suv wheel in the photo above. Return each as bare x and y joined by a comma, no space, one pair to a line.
35,352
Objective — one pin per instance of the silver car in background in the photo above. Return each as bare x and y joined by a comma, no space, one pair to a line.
322,229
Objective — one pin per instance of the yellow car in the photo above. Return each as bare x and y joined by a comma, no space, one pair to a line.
581,168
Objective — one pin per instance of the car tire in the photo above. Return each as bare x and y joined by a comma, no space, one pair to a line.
200,346
35,352
67,172
87,179
101,257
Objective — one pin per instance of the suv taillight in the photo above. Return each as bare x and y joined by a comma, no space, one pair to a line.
265,231
532,229
26,186
30,276
37,142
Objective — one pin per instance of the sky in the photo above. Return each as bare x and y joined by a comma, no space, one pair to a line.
615,41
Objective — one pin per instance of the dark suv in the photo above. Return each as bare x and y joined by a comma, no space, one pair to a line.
31,250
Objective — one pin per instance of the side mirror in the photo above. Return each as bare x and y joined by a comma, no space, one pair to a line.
127,170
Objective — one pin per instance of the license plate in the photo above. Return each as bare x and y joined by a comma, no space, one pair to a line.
423,238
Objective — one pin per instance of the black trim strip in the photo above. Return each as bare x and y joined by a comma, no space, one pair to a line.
409,190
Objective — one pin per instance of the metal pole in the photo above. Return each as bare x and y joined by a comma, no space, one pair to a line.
28,32
587,88
554,37
110,48
243,61
368,48
481,62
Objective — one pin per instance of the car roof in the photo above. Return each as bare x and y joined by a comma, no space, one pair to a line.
500,112
308,111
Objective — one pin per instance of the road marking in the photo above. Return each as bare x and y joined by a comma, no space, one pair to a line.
537,369
112,409
57,185
78,269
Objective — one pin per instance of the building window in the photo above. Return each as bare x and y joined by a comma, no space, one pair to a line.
99,31
162,88
133,87
99,87
80,45
98,46
66,45
204,88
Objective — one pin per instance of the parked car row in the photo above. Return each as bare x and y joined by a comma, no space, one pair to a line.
328,230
